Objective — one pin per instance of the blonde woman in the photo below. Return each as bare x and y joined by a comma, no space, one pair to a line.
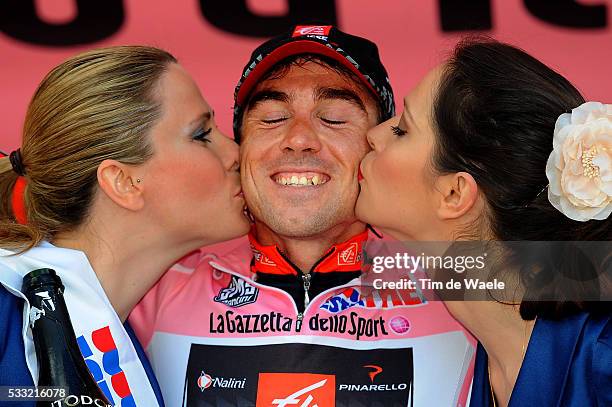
494,145
121,172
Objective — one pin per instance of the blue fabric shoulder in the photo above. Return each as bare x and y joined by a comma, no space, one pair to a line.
568,363
13,368
602,365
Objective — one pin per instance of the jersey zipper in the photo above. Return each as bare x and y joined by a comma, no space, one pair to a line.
306,280
306,277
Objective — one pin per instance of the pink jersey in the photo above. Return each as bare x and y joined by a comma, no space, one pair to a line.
216,337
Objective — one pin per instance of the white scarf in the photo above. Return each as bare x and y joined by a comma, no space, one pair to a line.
92,316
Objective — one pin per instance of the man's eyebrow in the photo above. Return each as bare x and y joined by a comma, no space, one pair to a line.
267,95
340,93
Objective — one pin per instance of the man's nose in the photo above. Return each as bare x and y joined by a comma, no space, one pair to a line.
301,136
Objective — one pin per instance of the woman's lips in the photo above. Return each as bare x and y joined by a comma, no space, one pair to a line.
359,174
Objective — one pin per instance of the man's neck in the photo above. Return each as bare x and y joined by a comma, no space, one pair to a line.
305,251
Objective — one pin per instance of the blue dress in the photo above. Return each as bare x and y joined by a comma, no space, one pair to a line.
13,368
568,363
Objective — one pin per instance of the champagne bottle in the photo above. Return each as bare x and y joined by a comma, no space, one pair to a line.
61,364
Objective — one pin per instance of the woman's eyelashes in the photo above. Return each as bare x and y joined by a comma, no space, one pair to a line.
398,131
202,135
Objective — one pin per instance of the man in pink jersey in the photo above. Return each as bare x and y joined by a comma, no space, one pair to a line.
283,318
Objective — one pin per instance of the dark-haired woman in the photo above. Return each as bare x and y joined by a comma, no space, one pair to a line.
121,172
494,145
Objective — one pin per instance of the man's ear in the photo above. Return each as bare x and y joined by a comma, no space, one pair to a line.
458,194
121,184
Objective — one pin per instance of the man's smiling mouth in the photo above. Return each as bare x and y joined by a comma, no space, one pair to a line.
300,179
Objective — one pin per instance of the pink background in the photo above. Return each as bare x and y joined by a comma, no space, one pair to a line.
407,32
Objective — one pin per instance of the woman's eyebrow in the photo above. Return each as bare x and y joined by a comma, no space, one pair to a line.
202,118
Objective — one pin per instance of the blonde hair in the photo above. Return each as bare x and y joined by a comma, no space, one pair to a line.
97,105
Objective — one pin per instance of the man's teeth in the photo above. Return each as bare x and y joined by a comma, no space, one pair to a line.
295,180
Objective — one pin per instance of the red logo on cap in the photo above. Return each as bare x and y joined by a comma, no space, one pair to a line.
301,30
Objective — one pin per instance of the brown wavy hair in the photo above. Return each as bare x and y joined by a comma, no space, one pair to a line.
98,105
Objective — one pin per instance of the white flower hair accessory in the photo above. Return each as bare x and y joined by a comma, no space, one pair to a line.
579,169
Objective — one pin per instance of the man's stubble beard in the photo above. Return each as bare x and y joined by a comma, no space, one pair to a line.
298,226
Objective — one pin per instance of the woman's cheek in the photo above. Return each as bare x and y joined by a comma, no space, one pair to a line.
389,173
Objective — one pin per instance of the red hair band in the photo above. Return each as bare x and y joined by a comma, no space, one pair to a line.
18,201
17,198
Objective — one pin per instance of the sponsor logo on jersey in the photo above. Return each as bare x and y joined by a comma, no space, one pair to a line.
373,371
349,256
262,258
237,294
206,381
399,325
296,389
377,299
349,324
231,322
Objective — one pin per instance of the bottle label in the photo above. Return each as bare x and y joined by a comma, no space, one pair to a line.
35,315
83,400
